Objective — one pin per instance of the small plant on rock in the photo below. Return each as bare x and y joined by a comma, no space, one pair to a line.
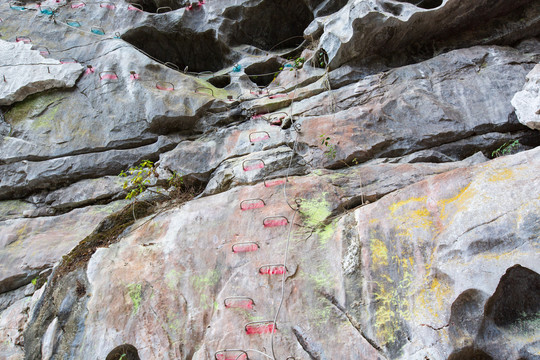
141,174
506,149
330,148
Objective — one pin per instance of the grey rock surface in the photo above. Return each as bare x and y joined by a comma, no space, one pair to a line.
26,72
364,143
527,101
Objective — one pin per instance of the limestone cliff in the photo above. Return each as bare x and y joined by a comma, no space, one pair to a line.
311,179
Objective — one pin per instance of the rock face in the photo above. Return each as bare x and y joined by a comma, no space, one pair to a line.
527,101
323,180
26,72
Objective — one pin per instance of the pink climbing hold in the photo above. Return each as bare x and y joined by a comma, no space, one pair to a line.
89,70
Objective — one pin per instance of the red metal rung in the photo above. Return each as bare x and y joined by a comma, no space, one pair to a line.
275,221
23,39
245,247
270,183
252,204
277,96
260,327
239,302
249,165
135,7
258,136
278,269
110,6
166,86
108,75
231,354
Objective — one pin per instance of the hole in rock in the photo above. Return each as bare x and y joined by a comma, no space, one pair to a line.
220,81
470,353
425,4
272,24
124,352
198,51
153,5
394,9
516,299
262,74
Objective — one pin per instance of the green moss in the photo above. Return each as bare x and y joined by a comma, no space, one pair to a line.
218,93
315,212
107,233
32,107
203,282
135,294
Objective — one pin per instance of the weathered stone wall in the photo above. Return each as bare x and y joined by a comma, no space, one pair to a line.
381,156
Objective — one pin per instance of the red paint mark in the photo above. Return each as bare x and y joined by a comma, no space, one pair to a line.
253,205
79,5
244,248
108,6
134,8
44,53
108,77
134,76
275,222
260,138
89,70
277,96
274,182
244,304
260,328
259,165
272,270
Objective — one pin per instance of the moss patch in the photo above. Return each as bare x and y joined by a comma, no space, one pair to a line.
35,106
135,294
106,234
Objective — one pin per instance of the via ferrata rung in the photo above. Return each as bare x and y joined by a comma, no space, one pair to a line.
260,327
251,204
273,269
245,247
242,302
231,354
249,165
257,136
273,221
